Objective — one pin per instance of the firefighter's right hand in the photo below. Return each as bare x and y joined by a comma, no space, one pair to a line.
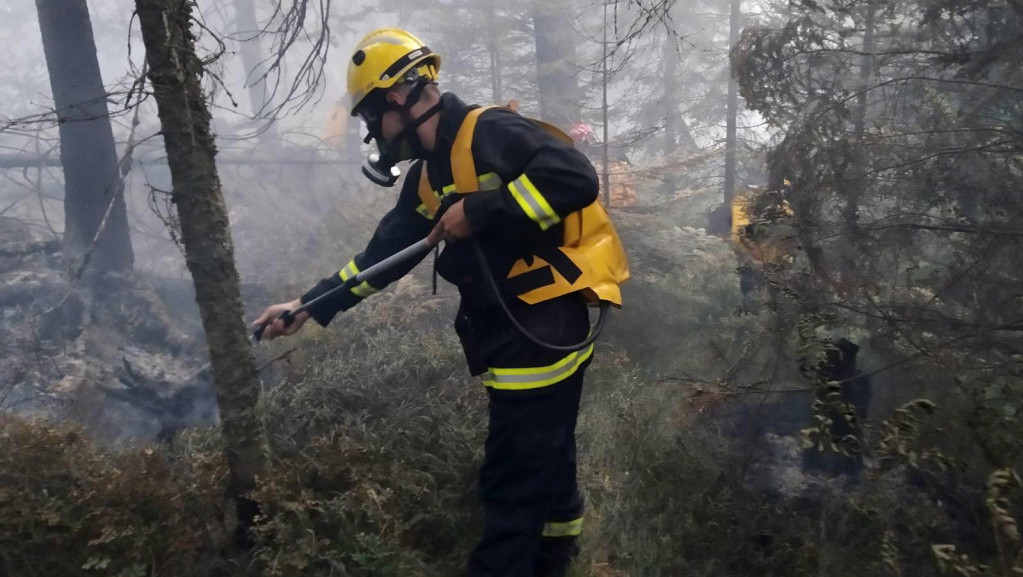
275,326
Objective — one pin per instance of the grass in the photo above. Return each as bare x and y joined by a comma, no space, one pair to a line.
376,433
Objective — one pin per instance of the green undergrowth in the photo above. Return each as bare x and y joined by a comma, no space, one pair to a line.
376,431
68,507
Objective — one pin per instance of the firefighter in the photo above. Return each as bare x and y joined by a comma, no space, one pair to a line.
761,236
512,187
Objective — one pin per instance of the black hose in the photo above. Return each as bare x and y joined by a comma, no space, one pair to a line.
604,305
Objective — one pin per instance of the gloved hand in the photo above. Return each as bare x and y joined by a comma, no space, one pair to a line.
275,327
452,225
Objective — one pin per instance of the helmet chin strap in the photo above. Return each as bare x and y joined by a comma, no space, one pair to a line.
411,125
380,167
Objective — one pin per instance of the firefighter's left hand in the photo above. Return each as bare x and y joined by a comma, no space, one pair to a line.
452,225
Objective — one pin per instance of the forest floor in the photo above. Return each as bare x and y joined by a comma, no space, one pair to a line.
376,433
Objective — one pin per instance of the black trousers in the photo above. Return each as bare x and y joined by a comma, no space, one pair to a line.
528,482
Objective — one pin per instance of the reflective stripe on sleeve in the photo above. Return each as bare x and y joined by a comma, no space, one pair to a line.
489,181
571,528
521,379
348,271
533,203
362,290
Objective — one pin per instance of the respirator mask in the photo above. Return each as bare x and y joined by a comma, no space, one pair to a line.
380,167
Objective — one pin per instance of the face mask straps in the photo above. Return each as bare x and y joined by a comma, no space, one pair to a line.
409,131
380,168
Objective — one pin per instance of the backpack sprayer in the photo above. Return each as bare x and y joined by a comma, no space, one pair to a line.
420,248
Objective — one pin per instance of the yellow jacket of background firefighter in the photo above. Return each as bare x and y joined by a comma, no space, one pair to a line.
747,209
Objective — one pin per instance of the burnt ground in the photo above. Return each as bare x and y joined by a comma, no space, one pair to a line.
122,355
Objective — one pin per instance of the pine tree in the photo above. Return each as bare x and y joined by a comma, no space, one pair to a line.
174,70
94,207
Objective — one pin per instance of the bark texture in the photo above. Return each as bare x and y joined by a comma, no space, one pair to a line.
175,73
92,183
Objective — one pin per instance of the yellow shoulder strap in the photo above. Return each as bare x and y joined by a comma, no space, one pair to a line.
426,195
463,167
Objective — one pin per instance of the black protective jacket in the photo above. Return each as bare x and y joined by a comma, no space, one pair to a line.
510,146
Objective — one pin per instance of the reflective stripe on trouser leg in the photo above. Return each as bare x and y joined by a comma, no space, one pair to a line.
558,545
571,528
528,479
558,548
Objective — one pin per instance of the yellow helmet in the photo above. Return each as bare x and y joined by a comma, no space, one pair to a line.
385,57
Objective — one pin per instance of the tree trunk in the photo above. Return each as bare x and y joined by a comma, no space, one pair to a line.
494,48
855,191
676,131
605,160
92,186
253,60
866,70
556,73
852,179
669,59
732,115
175,72
685,136
247,31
